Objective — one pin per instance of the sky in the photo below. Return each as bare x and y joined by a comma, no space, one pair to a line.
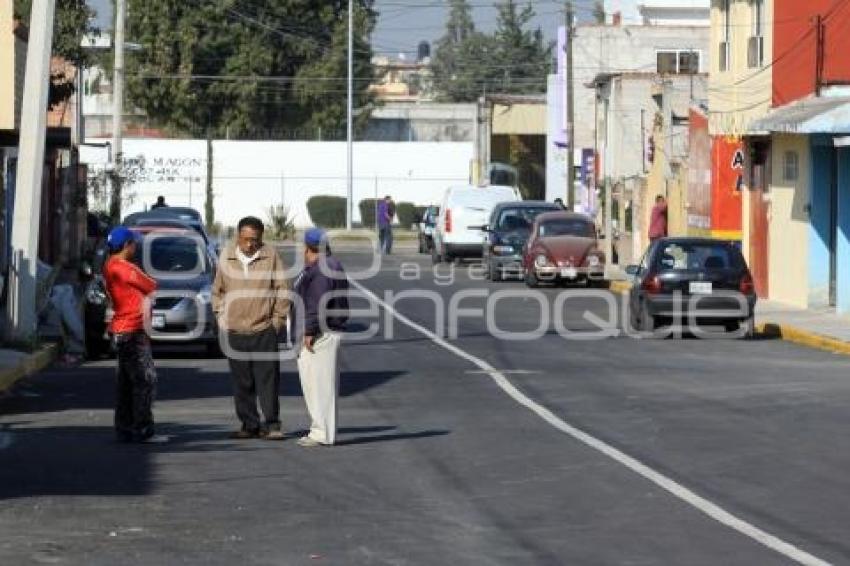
402,24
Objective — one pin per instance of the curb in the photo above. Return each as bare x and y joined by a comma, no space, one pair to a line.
31,364
803,337
621,287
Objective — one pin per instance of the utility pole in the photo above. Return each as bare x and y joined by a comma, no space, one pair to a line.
571,185
118,110
350,175
22,320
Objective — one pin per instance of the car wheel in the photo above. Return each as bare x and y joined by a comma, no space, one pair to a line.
436,258
531,279
598,283
214,349
749,327
495,274
647,321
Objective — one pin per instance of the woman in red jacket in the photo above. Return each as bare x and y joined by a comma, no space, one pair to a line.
128,287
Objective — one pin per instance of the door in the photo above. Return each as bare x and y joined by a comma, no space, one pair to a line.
759,210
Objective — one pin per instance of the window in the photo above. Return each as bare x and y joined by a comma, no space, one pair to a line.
791,166
678,62
723,55
755,44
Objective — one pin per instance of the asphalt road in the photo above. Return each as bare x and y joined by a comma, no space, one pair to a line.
439,461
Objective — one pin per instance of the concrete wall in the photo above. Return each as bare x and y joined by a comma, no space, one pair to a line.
249,177
789,223
519,119
12,67
618,49
738,95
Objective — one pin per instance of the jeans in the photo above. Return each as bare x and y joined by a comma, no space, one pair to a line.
385,236
136,387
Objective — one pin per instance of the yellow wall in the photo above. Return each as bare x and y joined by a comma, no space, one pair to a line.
521,119
674,189
740,94
7,67
789,223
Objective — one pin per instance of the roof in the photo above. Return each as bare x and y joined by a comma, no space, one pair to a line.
563,214
528,204
813,115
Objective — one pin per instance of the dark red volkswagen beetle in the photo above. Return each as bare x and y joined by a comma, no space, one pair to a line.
563,247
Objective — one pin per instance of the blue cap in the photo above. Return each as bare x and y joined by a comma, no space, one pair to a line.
314,237
119,237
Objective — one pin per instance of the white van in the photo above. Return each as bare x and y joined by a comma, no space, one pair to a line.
461,209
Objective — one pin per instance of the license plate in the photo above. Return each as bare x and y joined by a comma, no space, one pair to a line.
158,321
569,273
701,288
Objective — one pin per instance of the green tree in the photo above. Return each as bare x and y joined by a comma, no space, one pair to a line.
461,60
72,22
513,60
245,69
599,12
524,59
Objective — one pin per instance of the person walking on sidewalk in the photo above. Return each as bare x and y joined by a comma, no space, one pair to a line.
250,301
322,287
386,213
658,220
128,287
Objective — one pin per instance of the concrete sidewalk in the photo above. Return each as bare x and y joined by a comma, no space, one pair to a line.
16,365
818,328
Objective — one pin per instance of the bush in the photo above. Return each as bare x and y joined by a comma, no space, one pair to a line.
280,223
406,212
367,212
327,211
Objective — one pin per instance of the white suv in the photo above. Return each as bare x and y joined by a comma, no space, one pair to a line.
463,211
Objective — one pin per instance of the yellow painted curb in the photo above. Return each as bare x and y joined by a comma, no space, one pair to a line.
31,364
621,287
804,337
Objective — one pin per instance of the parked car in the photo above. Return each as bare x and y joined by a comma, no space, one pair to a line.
167,215
507,234
712,270
463,211
425,225
184,270
563,247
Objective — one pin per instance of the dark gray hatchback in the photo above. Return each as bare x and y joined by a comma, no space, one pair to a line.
692,280
507,234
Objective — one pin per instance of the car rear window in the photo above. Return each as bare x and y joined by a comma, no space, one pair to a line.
520,218
568,227
173,254
681,256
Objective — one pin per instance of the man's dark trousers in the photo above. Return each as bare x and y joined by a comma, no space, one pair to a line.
254,378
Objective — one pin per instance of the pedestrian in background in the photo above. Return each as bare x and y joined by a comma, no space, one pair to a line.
386,214
128,287
250,321
322,287
160,203
658,219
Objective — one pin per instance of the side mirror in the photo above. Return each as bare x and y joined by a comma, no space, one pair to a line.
632,270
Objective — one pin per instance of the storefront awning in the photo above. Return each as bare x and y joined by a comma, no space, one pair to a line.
824,115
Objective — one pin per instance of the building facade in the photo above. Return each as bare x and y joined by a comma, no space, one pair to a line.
780,91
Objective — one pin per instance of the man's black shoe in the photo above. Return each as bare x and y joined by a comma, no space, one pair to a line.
244,434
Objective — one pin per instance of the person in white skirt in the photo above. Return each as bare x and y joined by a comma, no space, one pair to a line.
322,287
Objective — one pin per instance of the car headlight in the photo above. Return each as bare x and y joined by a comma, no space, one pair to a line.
593,261
503,249
541,261
205,295
95,295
